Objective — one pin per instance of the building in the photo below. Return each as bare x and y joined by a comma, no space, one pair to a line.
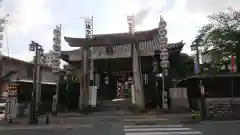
14,70
48,58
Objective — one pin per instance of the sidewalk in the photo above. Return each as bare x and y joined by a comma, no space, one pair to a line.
22,121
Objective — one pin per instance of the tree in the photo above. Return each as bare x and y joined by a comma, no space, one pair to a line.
220,38
182,64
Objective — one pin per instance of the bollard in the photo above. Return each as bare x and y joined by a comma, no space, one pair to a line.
47,118
9,121
37,115
210,111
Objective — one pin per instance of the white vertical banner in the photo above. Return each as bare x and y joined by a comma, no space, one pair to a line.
2,23
88,22
131,24
88,27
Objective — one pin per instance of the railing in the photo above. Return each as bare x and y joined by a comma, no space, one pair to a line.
223,110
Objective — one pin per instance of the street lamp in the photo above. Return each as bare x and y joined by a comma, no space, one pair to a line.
193,47
41,50
35,92
32,46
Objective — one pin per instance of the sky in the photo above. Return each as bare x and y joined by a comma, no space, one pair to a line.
36,19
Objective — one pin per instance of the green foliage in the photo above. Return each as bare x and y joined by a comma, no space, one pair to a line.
220,38
182,64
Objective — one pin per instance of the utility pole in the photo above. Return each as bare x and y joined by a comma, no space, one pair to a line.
35,92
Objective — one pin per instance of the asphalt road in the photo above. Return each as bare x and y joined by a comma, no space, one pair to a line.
97,127
125,125
218,128
172,126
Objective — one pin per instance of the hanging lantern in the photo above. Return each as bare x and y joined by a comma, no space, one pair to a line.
165,64
163,41
164,56
164,48
163,32
57,39
56,49
106,80
162,23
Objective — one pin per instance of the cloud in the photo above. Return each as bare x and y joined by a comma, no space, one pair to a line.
28,20
26,15
68,33
209,6
26,56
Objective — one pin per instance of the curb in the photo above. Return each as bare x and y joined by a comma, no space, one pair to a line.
220,122
53,126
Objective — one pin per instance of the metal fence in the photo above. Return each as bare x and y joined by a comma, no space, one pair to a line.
227,110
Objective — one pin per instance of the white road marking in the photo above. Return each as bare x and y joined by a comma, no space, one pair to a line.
167,133
159,130
156,129
151,126
220,122
145,119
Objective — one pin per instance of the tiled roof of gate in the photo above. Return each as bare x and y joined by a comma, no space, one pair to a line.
144,46
113,38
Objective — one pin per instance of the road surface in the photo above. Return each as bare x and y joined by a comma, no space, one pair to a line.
125,125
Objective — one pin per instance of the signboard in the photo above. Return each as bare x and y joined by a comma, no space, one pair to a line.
54,103
11,108
165,99
12,90
202,90
93,95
